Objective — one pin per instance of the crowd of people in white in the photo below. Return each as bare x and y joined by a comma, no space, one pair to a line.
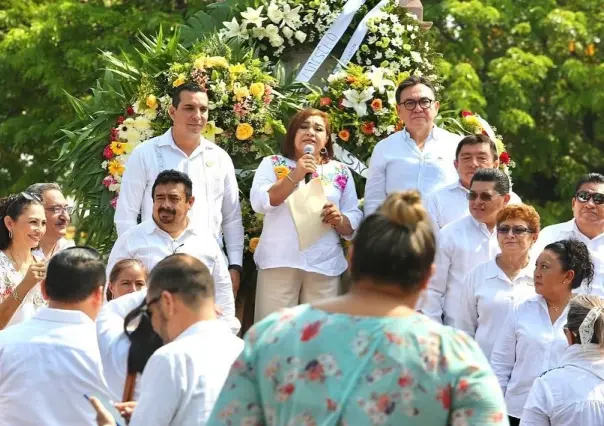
155,329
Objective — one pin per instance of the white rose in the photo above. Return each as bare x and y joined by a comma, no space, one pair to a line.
277,41
300,36
287,32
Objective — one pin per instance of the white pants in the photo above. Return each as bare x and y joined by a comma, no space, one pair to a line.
279,288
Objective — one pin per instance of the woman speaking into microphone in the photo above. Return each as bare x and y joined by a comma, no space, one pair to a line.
288,275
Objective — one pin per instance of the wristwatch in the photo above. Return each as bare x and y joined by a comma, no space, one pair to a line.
237,268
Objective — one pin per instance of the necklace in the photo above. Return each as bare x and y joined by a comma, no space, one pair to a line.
18,265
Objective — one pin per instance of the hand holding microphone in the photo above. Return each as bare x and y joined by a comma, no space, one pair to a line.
306,165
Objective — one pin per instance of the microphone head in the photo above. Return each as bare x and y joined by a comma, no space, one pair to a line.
309,149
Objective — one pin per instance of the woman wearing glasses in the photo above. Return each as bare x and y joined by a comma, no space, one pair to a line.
492,288
22,225
573,393
532,338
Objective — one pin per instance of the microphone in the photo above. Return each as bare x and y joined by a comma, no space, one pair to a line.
308,149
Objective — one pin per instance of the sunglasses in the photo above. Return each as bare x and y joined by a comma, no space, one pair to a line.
585,196
144,310
27,196
516,230
484,196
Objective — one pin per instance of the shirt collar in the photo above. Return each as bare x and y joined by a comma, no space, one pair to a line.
494,271
431,136
481,226
574,228
149,226
168,140
63,315
204,326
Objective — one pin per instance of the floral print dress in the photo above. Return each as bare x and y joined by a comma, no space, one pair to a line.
303,367
10,278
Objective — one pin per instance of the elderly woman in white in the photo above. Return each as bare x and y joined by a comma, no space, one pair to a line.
288,275
573,394
491,289
532,339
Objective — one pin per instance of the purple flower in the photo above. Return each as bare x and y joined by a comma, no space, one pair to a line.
341,181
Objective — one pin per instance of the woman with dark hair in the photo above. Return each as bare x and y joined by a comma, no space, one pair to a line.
22,226
287,274
573,393
532,339
367,357
126,342
126,276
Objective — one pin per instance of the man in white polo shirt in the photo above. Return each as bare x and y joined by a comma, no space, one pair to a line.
450,203
182,379
171,231
50,362
217,210
586,226
420,156
466,243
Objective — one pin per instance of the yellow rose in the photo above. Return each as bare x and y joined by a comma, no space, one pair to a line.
281,172
241,92
180,80
254,243
257,90
152,101
115,167
244,131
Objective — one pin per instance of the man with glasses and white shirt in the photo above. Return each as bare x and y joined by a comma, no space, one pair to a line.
58,218
586,226
420,156
169,231
465,243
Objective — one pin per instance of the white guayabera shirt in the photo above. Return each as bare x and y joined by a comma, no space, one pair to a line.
215,188
397,164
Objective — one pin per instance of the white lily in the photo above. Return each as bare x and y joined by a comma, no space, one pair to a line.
274,13
378,81
253,16
358,100
291,17
233,29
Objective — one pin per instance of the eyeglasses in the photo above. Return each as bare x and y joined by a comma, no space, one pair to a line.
516,230
585,196
144,310
410,104
484,196
60,209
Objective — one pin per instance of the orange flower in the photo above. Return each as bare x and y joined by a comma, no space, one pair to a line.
344,135
325,101
367,127
399,126
351,79
253,244
590,50
376,104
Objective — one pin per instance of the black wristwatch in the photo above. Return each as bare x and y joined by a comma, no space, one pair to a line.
237,268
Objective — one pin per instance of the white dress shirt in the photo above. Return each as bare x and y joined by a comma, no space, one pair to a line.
488,296
446,205
149,244
47,365
215,189
114,345
183,379
570,395
528,345
462,245
566,230
279,246
397,164
62,244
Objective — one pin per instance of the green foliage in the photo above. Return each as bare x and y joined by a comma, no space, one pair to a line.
534,70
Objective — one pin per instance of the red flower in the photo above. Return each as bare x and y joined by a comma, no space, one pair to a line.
130,110
108,181
115,133
444,396
463,385
367,127
114,202
466,113
108,153
310,331
504,158
404,381
288,389
331,405
325,101
120,119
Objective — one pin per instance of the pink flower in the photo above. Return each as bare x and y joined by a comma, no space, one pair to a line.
267,99
120,119
466,113
240,110
108,181
108,153
268,90
114,202
341,181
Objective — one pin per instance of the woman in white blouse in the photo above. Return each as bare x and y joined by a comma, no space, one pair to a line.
573,394
22,226
491,289
288,275
532,339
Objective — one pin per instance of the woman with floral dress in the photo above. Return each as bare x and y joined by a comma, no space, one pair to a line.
287,274
365,358
22,225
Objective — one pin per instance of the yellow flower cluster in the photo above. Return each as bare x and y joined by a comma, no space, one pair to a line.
244,131
120,148
281,172
241,92
473,123
211,62
151,102
116,167
180,80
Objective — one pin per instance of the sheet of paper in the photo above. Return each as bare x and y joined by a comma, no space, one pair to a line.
306,205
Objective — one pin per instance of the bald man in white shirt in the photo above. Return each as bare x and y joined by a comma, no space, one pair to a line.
465,243
182,380
50,362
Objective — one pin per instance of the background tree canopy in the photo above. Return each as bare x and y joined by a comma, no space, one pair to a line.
532,68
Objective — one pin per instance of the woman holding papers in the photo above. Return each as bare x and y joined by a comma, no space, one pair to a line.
301,260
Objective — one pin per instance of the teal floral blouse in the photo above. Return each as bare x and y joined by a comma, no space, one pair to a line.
303,367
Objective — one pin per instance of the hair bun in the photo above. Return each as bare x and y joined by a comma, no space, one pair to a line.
404,208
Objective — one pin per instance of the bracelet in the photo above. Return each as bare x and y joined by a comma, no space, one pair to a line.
16,296
237,268
291,180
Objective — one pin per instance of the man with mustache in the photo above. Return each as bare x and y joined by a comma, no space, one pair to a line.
170,231
183,148
58,218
